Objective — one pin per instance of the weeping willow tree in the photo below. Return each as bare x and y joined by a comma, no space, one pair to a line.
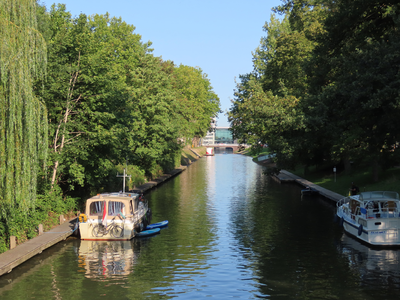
23,118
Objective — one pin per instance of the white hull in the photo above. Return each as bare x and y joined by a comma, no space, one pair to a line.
86,232
378,226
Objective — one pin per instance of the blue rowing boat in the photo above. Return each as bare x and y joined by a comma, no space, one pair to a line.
157,225
148,232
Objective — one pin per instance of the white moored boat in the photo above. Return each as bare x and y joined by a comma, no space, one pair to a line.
372,217
115,216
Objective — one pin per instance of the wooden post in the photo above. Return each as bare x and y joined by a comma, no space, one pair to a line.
62,220
13,242
40,229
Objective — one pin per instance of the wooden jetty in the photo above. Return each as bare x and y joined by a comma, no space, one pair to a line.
285,176
13,258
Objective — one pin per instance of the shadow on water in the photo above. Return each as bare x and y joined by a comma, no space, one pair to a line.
233,233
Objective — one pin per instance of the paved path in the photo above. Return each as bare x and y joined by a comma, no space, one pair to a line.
285,176
12,258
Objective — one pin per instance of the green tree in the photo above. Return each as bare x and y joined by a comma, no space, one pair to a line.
86,90
196,100
23,118
355,90
267,106
258,118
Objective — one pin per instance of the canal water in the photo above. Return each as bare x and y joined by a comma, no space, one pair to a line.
233,233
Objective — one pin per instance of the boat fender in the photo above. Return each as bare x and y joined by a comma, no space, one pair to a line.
139,227
341,222
148,215
360,230
82,218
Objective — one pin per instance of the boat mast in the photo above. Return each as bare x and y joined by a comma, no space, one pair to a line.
124,176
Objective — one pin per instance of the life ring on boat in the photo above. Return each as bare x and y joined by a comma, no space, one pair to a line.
360,230
82,218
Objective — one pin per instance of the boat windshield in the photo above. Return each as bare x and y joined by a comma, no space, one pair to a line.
366,196
96,208
115,208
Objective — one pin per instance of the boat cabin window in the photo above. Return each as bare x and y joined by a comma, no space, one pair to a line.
115,207
354,206
96,208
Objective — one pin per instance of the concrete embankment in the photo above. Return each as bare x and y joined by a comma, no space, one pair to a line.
14,257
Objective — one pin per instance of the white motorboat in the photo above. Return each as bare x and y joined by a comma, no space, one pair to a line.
372,217
115,216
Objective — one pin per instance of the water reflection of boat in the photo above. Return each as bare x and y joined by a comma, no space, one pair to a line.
372,217
375,264
116,216
102,259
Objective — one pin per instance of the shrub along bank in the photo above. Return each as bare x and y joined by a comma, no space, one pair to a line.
49,207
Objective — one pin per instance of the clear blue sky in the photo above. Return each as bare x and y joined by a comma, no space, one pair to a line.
216,35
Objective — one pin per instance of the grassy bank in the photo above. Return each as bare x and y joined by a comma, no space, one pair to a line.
389,180
361,176
188,156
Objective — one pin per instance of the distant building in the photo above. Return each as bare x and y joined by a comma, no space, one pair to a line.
223,136
218,135
209,139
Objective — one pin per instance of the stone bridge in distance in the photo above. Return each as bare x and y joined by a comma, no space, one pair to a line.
234,147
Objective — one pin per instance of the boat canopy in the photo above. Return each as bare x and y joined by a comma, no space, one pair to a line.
115,204
380,195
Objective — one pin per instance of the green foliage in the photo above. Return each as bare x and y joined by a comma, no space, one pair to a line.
259,118
357,89
23,118
110,101
197,103
106,100
339,60
24,225
137,177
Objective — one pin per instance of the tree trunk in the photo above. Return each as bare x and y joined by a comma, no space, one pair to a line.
68,108
375,169
347,163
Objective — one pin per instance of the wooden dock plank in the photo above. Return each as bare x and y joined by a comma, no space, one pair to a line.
285,176
12,258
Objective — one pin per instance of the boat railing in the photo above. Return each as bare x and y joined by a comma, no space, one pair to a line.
343,201
139,213
383,213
